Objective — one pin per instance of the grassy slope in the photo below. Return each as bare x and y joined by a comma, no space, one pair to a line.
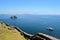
12,34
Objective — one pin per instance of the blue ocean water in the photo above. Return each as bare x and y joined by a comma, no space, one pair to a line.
33,24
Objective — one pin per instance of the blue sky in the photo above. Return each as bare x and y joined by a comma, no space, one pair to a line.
30,6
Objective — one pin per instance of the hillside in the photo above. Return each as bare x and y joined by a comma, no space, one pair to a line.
9,33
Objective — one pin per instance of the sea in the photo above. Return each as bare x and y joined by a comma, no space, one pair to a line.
34,24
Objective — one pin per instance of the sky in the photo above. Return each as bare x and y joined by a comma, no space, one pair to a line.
29,6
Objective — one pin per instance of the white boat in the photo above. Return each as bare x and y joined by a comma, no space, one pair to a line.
50,28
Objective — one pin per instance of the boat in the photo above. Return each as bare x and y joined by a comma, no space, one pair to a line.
50,28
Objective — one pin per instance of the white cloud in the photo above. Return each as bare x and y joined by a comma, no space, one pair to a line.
28,12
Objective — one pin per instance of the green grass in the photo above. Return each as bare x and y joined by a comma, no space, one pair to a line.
13,34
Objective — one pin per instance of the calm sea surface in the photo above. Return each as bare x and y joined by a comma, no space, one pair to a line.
33,24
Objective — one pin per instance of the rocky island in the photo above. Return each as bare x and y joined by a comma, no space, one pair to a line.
8,32
13,17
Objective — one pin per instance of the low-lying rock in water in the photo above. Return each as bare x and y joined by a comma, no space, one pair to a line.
13,17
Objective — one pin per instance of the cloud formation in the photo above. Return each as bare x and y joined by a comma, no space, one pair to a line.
29,12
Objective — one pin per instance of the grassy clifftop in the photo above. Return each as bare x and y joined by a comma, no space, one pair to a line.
9,33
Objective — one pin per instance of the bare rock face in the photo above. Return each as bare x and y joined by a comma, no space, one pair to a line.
37,38
41,36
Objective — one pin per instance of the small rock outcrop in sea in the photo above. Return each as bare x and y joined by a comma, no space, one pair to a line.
13,17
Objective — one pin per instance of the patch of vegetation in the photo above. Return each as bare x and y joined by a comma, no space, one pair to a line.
9,33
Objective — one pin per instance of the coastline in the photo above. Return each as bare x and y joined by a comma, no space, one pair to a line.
32,37
41,34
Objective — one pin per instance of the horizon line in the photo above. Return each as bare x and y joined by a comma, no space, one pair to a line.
29,12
